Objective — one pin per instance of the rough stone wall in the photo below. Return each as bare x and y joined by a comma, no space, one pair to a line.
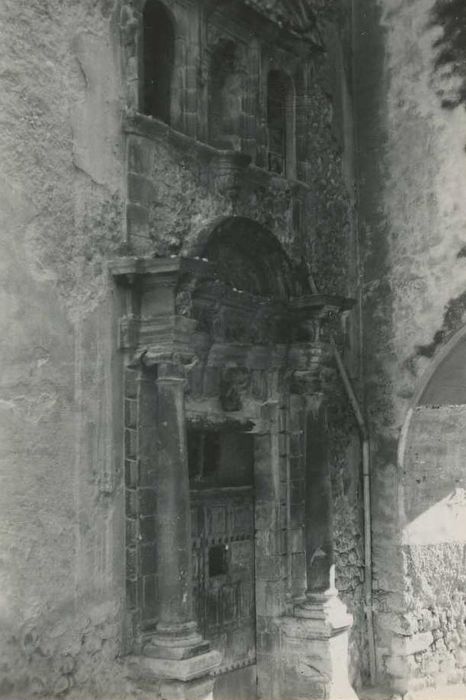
65,210
412,214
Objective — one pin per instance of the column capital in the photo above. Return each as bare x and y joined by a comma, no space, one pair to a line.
306,362
171,372
173,368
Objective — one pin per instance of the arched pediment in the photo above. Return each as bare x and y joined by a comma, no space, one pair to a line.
240,293
248,258
296,15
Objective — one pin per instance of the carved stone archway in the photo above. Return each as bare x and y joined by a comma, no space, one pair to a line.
230,340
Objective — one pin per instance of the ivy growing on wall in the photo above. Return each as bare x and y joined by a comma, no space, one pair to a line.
450,62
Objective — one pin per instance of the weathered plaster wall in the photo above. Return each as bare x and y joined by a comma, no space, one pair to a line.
61,186
412,212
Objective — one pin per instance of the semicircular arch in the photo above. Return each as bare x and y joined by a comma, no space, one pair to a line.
248,257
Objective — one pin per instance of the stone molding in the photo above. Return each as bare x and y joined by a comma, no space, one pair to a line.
150,668
233,325
221,161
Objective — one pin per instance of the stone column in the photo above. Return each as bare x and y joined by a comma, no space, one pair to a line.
176,652
176,635
319,521
315,638
327,620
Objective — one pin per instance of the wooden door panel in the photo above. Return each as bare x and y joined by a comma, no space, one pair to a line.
223,583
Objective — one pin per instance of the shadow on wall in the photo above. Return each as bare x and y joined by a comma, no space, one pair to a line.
450,62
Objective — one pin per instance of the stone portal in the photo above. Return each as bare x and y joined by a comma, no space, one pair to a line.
229,548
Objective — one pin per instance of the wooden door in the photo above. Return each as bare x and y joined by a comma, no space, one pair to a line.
223,563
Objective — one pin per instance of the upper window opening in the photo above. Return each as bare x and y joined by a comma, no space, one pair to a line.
225,97
158,58
280,117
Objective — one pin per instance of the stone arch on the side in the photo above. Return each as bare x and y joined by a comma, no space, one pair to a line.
432,459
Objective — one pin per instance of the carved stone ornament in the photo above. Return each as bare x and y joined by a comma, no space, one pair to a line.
180,307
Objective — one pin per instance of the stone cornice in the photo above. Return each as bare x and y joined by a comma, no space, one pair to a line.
223,162
218,324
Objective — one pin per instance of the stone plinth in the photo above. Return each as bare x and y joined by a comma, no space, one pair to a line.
314,648
155,669
176,679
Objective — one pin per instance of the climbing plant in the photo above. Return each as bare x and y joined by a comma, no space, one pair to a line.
450,61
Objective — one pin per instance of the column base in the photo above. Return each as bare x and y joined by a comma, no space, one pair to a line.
315,650
147,668
327,611
176,642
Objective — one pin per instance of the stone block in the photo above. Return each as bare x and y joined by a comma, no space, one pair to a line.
412,644
211,381
270,676
150,668
147,528
267,643
297,491
149,592
190,121
269,568
131,383
283,444
297,467
296,414
296,444
313,654
147,501
400,666
132,562
139,156
140,190
283,466
298,571
264,483
132,503
131,473
132,531
296,540
270,598
131,413
132,598
267,515
283,421
297,514
148,559
131,444
190,97
194,690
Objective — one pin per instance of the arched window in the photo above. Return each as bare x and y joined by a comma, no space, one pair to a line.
225,97
158,57
280,123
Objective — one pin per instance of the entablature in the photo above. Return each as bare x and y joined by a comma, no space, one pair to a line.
181,308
